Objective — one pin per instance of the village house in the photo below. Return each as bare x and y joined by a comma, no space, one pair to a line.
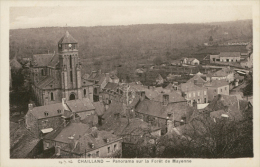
23,143
225,57
163,110
78,140
57,76
226,73
100,80
216,87
194,94
43,119
190,61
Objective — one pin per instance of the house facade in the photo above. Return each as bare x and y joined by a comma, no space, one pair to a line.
194,94
57,76
216,87
225,57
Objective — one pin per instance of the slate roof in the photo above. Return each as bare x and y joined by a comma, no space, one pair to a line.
157,109
99,108
54,61
98,141
80,105
229,104
41,59
196,77
73,129
67,38
173,97
216,83
229,54
52,110
111,86
114,108
187,87
22,142
45,83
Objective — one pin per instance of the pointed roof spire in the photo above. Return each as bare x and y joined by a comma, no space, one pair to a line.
67,38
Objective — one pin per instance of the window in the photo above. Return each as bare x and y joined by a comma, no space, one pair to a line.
46,114
115,147
198,93
52,97
193,94
108,149
89,155
205,92
97,154
71,79
85,92
189,94
43,72
225,88
47,145
70,61
215,90
205,100
198,100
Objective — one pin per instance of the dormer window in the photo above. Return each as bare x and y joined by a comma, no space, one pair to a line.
46,113
59,111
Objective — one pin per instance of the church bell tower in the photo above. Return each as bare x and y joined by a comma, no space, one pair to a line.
70,67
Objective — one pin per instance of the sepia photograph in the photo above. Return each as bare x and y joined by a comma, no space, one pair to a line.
128,82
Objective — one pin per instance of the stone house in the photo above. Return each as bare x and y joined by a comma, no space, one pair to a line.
223,74
216,87
193,93
44,119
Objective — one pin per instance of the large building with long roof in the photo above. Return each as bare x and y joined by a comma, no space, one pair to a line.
57,76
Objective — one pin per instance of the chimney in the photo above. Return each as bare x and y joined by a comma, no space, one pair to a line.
169,126
30,107
165,99
195,104
142,95
63,101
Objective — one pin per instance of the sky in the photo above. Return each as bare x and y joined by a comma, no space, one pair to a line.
102,15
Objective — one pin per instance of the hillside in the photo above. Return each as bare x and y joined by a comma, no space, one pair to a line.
108,46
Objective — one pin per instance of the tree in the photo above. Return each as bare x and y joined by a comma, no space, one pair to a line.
210,39
157,60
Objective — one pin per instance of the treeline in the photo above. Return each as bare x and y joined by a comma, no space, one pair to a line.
112,45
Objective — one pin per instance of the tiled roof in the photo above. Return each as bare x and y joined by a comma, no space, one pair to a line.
186,87
52,110
216,83
157,109
67,38
79,105
99,108
229,54
73,129
41,59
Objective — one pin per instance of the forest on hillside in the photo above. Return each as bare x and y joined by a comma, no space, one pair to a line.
109,46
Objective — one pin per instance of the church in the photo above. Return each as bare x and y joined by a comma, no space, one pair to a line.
57,76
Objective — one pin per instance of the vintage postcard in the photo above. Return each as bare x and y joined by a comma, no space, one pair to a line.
128,83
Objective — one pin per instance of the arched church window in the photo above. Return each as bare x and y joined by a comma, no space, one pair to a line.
85,92
71,79
52,96
70,61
